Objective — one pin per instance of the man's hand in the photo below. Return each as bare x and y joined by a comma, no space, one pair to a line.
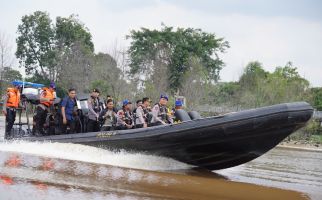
4,112
64,121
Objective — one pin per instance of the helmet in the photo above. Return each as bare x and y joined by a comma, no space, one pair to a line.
52,85
96,90
178,103
126,102
164,96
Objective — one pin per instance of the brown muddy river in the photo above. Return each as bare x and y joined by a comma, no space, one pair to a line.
69,171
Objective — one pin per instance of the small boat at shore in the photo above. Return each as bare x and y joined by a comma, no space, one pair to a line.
213,143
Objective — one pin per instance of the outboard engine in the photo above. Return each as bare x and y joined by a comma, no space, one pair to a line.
194,115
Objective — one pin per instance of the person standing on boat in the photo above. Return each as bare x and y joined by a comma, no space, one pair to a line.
142,114
108,116
160,114
125,116
10,103
94,110
68,111
47,97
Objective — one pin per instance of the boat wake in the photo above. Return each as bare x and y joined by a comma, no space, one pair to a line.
90,154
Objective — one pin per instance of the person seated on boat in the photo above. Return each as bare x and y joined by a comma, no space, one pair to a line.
138,103
47,97
68,112
178,106
160,115
108,116
125,116
142,114
11,102
94,110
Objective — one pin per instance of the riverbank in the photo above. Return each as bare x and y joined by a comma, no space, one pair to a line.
300,145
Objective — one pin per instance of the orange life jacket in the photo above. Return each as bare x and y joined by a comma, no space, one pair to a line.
13,97
48,94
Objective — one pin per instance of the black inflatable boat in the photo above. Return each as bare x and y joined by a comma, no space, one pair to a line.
212,143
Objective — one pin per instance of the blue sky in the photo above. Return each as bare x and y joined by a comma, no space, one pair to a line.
272,32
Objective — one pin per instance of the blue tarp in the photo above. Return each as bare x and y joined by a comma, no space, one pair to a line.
27,84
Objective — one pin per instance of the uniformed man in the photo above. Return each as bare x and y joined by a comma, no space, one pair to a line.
47,97
160,115
125,116
94,110
10,104
108,116
178,105
142,114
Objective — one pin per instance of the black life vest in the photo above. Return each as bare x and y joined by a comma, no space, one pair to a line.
128,117
96,104
163,110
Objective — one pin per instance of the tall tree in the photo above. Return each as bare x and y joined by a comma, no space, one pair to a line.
71,30
11,75
74,51
175,48
35,44
42,45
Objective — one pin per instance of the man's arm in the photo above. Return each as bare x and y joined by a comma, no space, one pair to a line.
63,109
4,106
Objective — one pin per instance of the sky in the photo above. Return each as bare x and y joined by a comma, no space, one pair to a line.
272,32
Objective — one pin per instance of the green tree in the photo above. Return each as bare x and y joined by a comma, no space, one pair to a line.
35,44
10,74
70,30
317,98
175,48
42,45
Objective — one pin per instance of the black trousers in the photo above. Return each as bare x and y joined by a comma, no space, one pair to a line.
155,124
40,119
107,128
139,126
70,127
10,120
93,126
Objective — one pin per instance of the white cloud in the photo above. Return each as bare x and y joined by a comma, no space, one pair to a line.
270,40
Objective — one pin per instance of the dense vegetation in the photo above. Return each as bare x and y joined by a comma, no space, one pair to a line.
182,61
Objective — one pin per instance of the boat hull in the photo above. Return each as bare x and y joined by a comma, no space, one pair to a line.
212,143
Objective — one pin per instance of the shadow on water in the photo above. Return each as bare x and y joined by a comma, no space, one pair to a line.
26,176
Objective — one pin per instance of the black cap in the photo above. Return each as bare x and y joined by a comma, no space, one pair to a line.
96,90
